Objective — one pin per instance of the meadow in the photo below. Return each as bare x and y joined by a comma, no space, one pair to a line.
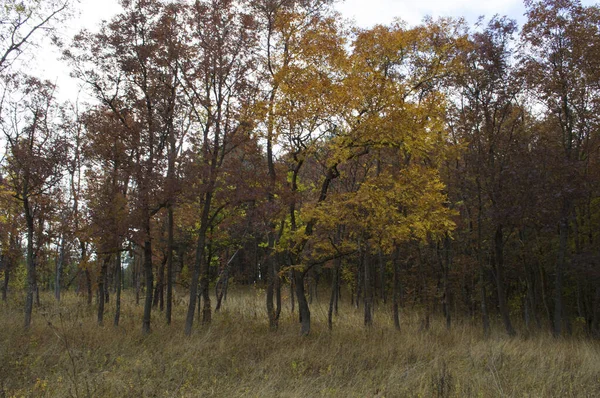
66,354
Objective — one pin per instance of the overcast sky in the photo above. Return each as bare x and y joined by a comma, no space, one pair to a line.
365,13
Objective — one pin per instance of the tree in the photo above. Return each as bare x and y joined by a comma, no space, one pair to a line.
20,22
37,152
218,88
135,76
561,69
489,121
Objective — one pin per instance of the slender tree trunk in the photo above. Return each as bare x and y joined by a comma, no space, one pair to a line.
312,285
31,271
560,266
149,278
304,311
158,300
338,295
59,267
204,285
102,287
88,285
107,284
169,265
446,270
596,315
499,262
292,291
382,277
198,264
485,319
396,292
273,324
359,283
277,293
137,268
6,265
119,283
424,295
368,296
334,292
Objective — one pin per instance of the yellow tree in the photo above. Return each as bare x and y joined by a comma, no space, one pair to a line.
287,29
389,121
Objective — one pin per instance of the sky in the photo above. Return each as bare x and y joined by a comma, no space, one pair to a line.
365,13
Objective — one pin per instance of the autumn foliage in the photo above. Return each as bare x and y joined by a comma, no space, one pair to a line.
441,167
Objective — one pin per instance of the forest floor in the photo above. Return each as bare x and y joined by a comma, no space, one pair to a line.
66,353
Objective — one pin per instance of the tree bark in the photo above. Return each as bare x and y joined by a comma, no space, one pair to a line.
304,311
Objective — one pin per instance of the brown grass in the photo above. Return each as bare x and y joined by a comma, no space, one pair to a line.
67,354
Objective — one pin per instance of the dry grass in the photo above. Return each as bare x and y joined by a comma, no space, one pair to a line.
67,354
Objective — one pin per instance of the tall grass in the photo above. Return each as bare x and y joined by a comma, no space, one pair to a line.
67,354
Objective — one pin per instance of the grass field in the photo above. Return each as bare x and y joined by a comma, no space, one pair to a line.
67,354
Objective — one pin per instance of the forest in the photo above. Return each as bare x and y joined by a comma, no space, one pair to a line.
445,171
449,168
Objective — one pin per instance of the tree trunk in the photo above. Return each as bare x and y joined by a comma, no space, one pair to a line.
499,262
424,295
223,282
6,280
31,271
396,292
204,285
198,264
59,267
292,292
158,300
101,288
382,286
107,284
149,278
304,311
119,282
169,265
485,319
596,315
358,283
368,296
277,293
334,292
137,266
560,266
446,270
273,324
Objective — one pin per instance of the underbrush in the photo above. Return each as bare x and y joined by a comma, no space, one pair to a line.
66,353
